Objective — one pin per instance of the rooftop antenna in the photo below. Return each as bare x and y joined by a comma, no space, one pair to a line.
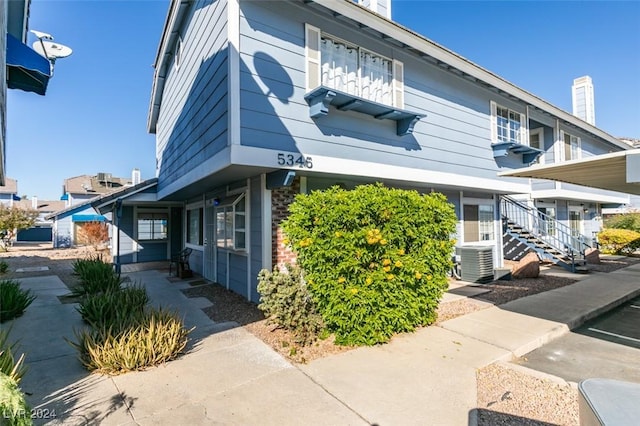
50,50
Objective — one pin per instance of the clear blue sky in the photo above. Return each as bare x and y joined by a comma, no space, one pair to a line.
93,118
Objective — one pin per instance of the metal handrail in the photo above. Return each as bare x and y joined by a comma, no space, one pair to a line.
542,226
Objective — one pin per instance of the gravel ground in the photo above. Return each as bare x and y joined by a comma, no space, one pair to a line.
506,395
509,396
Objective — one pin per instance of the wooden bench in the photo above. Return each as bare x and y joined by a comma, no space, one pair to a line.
181,260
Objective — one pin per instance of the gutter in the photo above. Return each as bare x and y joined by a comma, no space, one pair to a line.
170,33
451,61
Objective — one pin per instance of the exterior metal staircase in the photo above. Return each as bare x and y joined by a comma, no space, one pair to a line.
526,229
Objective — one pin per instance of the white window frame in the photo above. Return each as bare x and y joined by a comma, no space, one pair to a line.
480,202
313,65
572,139
540,132
229,206
140,213
523,132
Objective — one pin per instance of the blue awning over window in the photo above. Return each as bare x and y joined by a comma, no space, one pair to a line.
26,69
88,218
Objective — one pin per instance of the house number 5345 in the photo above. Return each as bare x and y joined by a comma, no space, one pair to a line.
293,160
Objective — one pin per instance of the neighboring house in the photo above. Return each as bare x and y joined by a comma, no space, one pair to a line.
79,189
42,230
78,193
20,66
254,102
9,192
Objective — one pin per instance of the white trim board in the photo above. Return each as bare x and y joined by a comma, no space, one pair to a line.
261,157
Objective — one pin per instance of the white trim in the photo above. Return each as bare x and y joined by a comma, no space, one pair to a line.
566,194
261,157
540,132
135,247
397,74
265,200
233,77
317,60
303,184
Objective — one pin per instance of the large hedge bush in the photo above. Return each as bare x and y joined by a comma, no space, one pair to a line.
630,221
375,259
619,241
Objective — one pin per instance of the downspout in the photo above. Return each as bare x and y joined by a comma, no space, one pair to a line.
117,214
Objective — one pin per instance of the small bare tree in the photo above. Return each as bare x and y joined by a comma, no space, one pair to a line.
12,220
94,233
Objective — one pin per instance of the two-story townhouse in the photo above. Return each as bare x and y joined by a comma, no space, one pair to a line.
254,102
77,194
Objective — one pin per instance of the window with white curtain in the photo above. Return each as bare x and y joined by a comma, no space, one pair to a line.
356,71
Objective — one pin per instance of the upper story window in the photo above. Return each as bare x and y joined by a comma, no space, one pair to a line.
536,140
572,146
508,125
343,66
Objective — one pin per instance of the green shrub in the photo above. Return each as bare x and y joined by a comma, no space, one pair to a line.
107,309
619,241
8,364
151,338
375,259
285,299
13,300
14,410
630,221
4,267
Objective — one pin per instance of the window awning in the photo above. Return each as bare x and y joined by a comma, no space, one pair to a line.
26,69
321,97
618,171
88,218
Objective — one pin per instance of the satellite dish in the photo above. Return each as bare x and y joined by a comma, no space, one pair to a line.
51,50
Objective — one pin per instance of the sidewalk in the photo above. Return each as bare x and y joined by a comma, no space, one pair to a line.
231,377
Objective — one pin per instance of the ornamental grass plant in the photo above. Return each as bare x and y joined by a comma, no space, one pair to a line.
13,300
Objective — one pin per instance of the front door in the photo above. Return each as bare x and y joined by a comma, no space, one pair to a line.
209,243
576,221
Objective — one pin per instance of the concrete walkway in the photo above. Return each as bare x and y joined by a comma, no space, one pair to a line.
231,377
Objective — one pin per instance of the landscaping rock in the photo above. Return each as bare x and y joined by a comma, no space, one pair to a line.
592,256
528,267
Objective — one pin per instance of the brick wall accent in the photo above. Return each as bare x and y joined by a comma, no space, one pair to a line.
281,198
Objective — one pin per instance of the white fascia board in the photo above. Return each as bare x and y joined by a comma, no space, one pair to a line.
208,167
261,157
565,194
417,41
175,15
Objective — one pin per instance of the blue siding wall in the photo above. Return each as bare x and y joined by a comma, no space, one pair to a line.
454,137
255,235
221,266
126,235
192,124
238,273
149,251
63,236
195,261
